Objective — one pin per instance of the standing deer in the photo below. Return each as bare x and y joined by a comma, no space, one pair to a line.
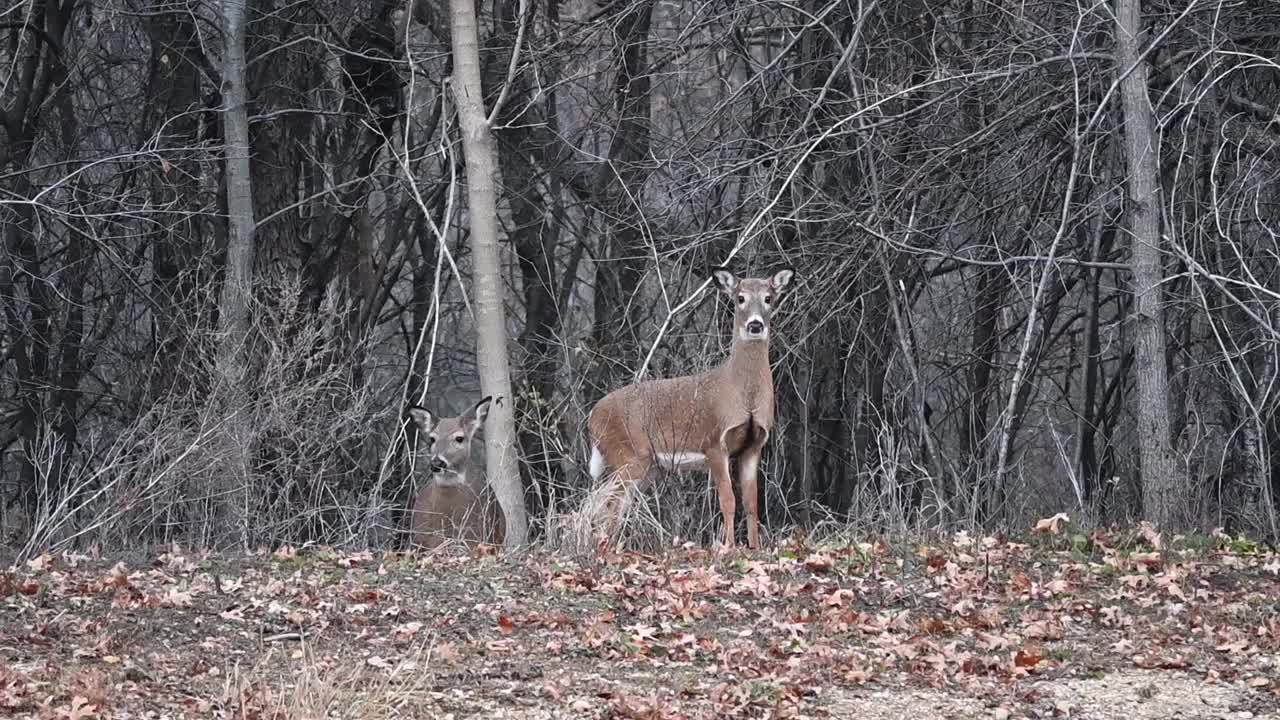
456,503
700,421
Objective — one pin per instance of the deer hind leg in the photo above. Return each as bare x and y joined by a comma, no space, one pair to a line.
627,476
748,465
718,466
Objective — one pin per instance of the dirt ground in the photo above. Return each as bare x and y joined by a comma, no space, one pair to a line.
1056,625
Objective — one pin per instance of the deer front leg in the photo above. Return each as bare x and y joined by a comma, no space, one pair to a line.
718,465
748,464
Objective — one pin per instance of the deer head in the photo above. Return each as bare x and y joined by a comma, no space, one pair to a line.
754,300
449,440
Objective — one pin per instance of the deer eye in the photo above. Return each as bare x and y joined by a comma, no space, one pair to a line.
457,439
742,299
768,299
431,439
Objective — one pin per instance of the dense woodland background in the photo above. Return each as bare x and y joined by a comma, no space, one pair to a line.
950,178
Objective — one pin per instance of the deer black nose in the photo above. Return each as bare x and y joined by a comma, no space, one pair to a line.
755,327
439,464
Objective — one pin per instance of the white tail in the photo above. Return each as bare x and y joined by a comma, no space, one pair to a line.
704,420
456,503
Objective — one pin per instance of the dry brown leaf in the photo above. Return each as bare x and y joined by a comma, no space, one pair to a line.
446,653
935,626
1051,525
1058,586
1150,534
1148,560
80,709
818,562
1028,657
1044,630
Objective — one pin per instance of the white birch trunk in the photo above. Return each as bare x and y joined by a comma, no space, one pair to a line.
491,331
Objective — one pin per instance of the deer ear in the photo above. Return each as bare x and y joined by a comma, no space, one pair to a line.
421,417
782,279
481,410
725,279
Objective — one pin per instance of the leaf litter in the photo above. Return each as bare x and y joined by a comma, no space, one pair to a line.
1124,625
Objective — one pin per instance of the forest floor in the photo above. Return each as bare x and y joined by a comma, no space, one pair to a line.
1055,624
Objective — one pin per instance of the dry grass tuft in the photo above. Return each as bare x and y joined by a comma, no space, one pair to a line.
298,686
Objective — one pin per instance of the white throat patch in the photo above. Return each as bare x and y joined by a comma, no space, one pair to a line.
449,478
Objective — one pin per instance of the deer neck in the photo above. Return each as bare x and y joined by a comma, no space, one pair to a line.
748,366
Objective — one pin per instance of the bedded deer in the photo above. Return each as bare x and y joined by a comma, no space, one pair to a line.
700,421
456,503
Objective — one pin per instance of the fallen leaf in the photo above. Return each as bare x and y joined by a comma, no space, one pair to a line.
1027,658
1150,534
408,630
935,626
447,653
1052,525
1148,560
1044,630
818,562
838,598
80,708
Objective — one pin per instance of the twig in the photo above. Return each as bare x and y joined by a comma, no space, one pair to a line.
521,22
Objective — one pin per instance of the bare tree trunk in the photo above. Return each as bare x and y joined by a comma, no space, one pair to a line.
233,306
1162,483
491,327
535,239
621,187
177,263
993,282
1086,462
